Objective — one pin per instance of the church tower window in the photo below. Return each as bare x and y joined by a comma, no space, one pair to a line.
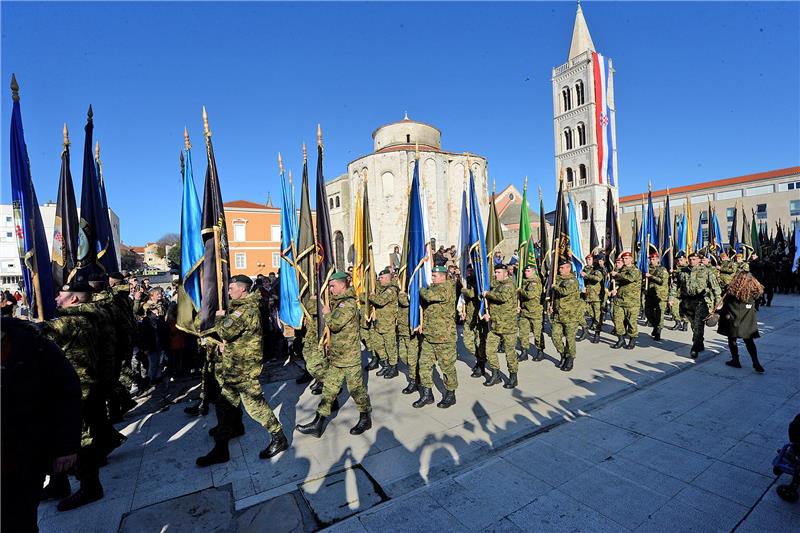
584,211
570,178
567,139
579,98
408,138
581,134
566,95
582,175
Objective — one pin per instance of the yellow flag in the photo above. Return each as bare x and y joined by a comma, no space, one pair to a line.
358,245
689,228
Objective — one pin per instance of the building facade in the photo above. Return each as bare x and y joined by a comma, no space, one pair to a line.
772,197
585,127
10,271
254,237
388,171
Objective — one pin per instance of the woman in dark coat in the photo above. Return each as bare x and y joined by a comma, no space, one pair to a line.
737,317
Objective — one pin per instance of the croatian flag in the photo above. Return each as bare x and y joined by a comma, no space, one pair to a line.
605,143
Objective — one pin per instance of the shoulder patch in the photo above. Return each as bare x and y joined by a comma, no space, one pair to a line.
237,314
227,322
341,304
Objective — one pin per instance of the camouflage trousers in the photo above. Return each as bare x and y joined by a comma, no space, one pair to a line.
445,355
385,346
509,343
353,376
675,309
563,335
475,340
316,362
654,311
248,392
409,355
209,384
695,310
366,337
595,310
535,325
625,320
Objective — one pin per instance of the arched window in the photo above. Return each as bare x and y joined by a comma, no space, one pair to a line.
387,183
584,211
567,139
338,252
581,134
582,175
570,178
337,202
331,201
579,98
566,99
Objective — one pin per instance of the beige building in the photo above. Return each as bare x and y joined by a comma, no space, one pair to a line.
389,171
773,196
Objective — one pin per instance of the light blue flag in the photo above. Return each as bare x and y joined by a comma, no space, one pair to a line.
680,239
717,244
648,242
698,244
477,246
417,252
191,240
463,249
575,241
291,313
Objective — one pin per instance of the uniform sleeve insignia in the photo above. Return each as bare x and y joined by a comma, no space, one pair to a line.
342,305
237,314
227,322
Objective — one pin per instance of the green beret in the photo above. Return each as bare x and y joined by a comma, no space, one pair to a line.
385,271
500,266
339,276
77,286
441,269
241,278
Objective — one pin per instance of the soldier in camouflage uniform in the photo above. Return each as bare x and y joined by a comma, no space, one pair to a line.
474,328
384,325
567,313
656,295
408,343
532,312
316,362
502,318
239,328
366,334
727,269
700,293
628,302
438,339
345,359
75,331
675,294
594,279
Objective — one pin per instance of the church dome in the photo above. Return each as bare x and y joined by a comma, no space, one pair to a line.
407,133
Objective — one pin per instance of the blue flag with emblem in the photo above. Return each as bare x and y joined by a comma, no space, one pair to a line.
680,238
192,250
648,237
37,276
290,313
417,251
576,254
477,247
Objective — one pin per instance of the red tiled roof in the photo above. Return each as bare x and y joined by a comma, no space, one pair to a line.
760,176
245,204
137,249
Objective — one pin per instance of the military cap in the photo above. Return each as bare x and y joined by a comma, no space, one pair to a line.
590,255
77,286
241,278
500,266
117,276
340,276
385,271
625,254
680,254
441,269
564,262
694,254
599,257
654,254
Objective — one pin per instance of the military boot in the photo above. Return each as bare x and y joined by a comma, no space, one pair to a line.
693,352
685,325
537,354
523,354
596,337
237,431
512,381
448,399
57,487
631,343
620,342
657,334
391,372
567,366
701,347
316,427
410,388
384,367
316,388
364,423
198,408
219,454
335,404
493,378
561,359
277,445
425,397
91,490
373,363
477,370
584,332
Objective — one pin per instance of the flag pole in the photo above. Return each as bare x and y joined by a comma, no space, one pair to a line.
218,259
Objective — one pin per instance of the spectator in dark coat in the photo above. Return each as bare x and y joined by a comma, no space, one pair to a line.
738,317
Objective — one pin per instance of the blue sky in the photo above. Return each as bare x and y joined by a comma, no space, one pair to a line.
703,90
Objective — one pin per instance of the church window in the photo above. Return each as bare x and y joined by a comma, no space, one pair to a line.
582,175
584,211
570,178
579,98
337,201
566,99
567,139
408,139
387,182
581,134
330,200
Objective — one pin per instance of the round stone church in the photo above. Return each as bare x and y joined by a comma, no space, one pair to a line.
388,172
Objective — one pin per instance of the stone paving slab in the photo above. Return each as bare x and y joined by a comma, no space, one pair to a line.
410,449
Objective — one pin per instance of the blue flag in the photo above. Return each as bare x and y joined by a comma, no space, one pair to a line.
417,251
290,313
37,276
477,246
680,239
698,245
648,237
576,254
191,241
715,246
108,256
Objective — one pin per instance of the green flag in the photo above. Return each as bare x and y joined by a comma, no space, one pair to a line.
494,233
527,254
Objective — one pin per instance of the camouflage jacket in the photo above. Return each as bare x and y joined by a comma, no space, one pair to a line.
727,270
310,322
594,280
122,326
384,299
342,320
629,287
530,297
503,306
699,282
438,320
472,304
75,332
567,304
658,284
402,315
240,328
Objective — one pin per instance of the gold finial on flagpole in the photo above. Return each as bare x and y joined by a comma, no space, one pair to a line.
97,150
305,153
66,135
206,129
14,88
186,138
280,163
319,134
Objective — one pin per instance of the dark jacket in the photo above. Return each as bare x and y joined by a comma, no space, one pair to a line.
737,319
